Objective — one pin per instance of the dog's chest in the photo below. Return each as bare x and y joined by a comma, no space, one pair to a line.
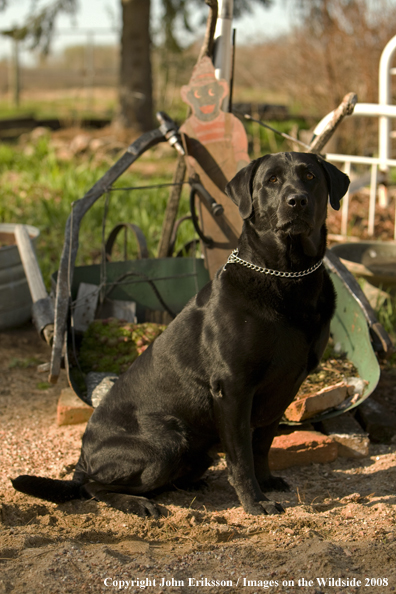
280,351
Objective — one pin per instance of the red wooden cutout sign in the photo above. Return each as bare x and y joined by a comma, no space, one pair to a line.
217,149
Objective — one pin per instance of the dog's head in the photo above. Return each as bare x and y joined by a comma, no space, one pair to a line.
288,190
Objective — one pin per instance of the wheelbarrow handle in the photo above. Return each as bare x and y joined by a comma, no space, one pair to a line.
214,207
217,212
170,130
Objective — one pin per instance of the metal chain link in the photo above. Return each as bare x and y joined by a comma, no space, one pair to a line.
234,259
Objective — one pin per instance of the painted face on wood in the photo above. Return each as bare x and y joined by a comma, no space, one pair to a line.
205,100
205,93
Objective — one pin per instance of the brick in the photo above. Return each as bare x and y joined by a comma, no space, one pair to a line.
377,420
71,410
301,448
352,441
310,406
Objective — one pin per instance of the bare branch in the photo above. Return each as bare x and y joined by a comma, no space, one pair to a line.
345,108
207,46
39,27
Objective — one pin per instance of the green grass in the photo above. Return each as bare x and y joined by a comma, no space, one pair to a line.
24,363
38,189
270,142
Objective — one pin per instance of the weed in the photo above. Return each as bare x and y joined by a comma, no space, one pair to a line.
23,363
386,314
43,386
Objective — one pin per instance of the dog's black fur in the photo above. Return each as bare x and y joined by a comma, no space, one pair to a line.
230,363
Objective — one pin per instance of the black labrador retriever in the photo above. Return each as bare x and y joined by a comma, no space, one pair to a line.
230,363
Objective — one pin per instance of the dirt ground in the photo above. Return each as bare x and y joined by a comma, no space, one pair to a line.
337,534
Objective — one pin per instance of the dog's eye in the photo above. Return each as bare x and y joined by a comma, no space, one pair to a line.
309,175
273,179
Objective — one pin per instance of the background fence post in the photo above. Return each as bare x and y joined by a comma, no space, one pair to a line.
14,73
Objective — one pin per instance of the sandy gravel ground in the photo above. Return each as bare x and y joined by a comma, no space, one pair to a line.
337,535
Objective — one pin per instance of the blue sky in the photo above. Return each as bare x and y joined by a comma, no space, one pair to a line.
104,15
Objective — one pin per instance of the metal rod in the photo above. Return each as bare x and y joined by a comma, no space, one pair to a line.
286,136
233,48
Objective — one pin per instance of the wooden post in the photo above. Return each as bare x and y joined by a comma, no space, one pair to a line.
90,67
256,133
171,210
15,85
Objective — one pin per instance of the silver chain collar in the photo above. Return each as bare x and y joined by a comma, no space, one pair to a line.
234,259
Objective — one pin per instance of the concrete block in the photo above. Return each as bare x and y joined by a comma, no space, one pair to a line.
352,441
377,420
301,448
71,410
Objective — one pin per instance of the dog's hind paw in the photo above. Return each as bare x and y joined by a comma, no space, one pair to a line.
140,506
198,485
266,506
132,504
272,507
273,483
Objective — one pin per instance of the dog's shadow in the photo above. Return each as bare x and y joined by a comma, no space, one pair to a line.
328,487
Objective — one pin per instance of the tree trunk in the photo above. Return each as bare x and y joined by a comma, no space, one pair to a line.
135,91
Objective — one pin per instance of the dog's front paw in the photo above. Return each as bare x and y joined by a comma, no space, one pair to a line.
273,483
266,506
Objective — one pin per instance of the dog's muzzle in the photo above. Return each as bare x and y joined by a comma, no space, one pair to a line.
296,215
298,202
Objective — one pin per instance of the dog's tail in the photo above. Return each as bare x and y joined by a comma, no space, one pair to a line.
54,490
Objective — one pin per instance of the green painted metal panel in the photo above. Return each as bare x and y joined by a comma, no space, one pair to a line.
176,279
179,279
349,328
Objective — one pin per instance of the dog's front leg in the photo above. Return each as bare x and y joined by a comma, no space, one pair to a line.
262,440
232,410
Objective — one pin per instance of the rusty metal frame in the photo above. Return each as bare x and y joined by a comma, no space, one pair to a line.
70,247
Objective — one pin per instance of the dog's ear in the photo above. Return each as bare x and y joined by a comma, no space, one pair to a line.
239,189
337,181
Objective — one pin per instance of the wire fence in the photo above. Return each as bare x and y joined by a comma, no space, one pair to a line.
81,58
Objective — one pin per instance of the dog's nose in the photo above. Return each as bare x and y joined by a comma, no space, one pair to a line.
297,201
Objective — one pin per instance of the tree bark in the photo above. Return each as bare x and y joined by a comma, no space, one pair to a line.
135,90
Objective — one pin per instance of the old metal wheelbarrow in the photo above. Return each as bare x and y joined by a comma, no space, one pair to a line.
166,284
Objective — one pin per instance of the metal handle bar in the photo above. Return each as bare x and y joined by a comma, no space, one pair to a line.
214,207
170,130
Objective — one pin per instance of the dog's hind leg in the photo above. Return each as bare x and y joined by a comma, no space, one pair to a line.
194,469
262,440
